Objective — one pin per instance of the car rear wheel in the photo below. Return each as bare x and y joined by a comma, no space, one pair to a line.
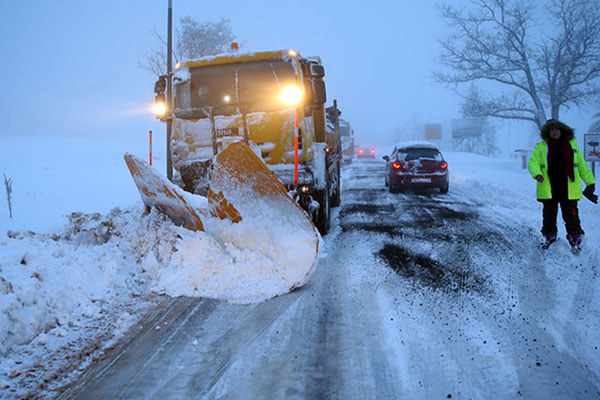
444,189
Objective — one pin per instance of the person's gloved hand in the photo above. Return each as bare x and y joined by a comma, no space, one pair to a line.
539,178
589,194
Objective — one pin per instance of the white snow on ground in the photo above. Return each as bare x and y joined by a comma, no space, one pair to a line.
80,263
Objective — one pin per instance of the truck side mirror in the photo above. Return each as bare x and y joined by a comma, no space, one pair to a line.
160,85
317,70
319,92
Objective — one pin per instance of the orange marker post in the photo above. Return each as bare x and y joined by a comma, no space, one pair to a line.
296,150
150,147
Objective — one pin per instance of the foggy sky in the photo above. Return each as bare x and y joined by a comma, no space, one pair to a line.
71,67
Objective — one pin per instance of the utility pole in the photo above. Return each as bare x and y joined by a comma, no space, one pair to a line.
168,100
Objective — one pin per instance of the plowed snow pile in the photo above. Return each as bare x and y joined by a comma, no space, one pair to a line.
102,273
245,262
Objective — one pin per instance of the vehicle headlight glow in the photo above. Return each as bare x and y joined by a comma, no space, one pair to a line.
290,95
159,109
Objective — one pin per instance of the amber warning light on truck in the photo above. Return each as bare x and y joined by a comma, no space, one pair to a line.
160,104
159,108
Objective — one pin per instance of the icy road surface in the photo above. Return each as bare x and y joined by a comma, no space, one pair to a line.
416,296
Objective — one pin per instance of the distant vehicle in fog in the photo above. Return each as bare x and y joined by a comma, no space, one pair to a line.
347,137
365,152
416,165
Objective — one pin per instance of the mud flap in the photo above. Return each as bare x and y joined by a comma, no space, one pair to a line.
272,221
156,191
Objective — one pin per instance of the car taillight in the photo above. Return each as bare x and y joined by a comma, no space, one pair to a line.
444,165
396,165
360,151
372,151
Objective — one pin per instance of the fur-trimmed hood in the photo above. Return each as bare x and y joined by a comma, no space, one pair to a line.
566,131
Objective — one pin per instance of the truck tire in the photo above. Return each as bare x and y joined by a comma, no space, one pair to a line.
323,221
336,198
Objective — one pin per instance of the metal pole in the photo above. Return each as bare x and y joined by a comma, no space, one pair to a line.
169,87
213,131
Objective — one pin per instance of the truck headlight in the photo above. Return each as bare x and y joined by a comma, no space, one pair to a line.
290,95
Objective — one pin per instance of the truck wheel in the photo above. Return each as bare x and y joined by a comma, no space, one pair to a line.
323,221
336,198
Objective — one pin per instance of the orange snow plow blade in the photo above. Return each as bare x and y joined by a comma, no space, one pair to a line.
237,168
250,208
156,191
269,215
240,177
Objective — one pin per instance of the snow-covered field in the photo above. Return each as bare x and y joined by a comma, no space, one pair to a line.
80,263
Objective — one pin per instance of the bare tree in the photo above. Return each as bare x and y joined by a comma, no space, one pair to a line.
192,40
530,70
595,127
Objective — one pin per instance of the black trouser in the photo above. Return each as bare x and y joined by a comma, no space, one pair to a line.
570,215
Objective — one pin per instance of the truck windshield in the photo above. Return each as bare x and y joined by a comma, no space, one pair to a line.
251,86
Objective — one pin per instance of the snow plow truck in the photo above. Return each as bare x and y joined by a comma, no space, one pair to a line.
273,101
256,154
250,131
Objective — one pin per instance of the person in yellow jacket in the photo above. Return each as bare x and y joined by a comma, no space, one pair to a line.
558,166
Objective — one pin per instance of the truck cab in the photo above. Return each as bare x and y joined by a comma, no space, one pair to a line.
272,100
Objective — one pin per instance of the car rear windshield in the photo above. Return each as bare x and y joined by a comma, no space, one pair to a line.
420,153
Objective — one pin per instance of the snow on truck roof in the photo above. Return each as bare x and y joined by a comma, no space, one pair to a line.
234,57
417,144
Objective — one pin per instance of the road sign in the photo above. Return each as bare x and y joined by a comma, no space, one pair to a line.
467,127
591,147
433,131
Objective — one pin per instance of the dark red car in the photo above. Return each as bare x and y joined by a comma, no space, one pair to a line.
416,165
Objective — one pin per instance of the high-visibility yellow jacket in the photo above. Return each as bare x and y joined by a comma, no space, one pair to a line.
538,165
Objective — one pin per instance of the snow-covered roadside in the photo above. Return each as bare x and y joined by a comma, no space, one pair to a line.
66,295
92,281
68,291
508,190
